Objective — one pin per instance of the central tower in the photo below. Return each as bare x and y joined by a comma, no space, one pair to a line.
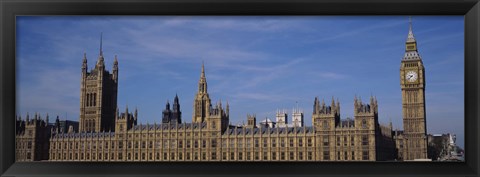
98,96
202,102
412,82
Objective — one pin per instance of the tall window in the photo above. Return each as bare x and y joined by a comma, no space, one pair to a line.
364,140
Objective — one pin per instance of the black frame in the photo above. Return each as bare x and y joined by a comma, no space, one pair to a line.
9,9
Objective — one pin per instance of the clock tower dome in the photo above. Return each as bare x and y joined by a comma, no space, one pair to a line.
412,82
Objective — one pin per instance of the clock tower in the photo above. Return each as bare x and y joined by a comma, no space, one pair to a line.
412,82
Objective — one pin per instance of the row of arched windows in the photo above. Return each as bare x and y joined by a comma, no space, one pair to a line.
91,99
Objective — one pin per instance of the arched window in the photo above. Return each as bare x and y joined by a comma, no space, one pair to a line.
88,100
364,123
94,99
325,124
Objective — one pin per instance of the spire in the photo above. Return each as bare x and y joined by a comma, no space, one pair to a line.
202,84
410,37
175,100
136,112
101,40
203,71
100,57
126,110
115,61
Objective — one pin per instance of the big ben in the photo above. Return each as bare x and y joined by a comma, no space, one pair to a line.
412,81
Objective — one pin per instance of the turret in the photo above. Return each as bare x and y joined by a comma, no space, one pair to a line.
251,121
115,69
84,65
326,117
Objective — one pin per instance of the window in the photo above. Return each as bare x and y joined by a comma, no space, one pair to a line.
365,155
274,143
195,144
188,143
364,140
310,155
257,156
274,156
180,156
204,143
325,124
232,156
364,123
309,142
173,144
265,155
300,142
265,142
338,141
282,155
224,155
291,142
256,142
180,144
326,155
282,142
292,155
172,156
214,143
239,143
352,140
240,156
353,155
300,155
165,143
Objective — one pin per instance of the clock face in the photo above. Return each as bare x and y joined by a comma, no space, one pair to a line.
411,76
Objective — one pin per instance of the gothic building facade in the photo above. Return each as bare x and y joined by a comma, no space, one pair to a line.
106,134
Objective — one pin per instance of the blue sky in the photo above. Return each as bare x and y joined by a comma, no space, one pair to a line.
257,64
